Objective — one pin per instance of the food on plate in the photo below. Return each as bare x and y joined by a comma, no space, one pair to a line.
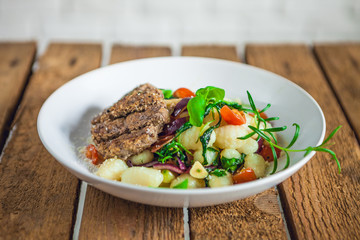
132,124
153,137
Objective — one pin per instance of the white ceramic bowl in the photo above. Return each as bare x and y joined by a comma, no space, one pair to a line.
64,119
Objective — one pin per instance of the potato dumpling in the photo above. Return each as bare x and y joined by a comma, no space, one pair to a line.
250,146
192,182
148,177
257,163
210,154
142,158
215,181
227,136
168,175
230,153
190,138
112,169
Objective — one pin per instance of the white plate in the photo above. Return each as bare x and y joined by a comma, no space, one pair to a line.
64,119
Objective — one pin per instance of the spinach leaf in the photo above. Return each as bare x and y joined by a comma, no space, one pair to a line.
231,164
218,172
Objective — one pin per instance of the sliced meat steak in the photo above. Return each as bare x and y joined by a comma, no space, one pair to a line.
132,124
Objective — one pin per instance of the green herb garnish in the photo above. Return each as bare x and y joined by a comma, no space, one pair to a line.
196,106
167,93
269,137
218,172
231,164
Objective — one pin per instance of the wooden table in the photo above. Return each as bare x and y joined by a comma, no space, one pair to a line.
39,199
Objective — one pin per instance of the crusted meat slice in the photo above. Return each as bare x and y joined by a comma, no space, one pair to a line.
138,100
132,124
129,144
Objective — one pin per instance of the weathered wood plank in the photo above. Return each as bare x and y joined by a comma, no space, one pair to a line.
15,66
341,63
319,202
38,196
212,51
122,53
108,217
256,217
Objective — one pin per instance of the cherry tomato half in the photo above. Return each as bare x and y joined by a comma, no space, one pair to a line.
267,154
232,116
244,175
183,93
92,154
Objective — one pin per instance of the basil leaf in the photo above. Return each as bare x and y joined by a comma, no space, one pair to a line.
196,108
211,92
216,93
202,92
182,185
167,93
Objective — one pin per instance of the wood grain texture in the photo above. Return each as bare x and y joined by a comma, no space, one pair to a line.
122,53
319,202
108,217
38,196
15,66
256,217
341,63
212,51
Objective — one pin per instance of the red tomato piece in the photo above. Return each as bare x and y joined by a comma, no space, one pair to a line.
267,154
232,116
244,175
93,154
183,93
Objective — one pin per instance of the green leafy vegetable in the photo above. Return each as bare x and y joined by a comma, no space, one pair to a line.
218,172
167,93
197,105
205,138
231,164
196,108
182,185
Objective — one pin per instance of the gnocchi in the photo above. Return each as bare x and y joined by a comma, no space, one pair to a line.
190,138
142,158
227,136
192,182
143,176
112,169
257,163
220,181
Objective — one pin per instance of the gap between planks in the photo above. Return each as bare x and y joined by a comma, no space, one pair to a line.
105,60
10,124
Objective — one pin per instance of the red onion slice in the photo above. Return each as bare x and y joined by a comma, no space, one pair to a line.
182,165
161,142
173,126
149,164
129,163
168,166
180,106
260,145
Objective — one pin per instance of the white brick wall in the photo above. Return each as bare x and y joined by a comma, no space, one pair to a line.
175,22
